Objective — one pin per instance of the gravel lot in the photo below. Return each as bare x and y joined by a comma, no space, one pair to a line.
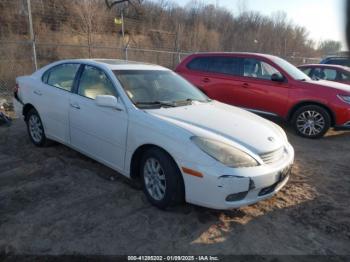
56,201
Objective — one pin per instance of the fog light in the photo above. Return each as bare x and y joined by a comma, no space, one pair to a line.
236,197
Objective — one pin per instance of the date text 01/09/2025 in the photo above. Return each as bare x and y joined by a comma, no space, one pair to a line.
173,258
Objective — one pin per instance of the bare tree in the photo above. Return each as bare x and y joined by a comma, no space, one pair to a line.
329,47
89,14
111,3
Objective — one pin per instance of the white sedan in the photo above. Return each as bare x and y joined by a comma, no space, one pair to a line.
148,123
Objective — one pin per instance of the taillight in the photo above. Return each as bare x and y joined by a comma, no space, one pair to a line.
15,89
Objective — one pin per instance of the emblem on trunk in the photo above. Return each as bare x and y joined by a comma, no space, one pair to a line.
271,139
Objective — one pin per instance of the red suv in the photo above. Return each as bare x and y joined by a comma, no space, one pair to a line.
269,85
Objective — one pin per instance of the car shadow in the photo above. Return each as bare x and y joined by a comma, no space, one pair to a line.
306,228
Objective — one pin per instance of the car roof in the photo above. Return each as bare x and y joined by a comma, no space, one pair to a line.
327,66
336,57
116,64
233,53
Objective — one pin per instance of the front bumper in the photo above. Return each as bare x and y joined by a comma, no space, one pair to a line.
249,185
342,117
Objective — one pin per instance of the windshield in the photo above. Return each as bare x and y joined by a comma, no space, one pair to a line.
158,88
294,72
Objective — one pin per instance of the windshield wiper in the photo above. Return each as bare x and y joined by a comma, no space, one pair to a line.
187,101
190,100
156,103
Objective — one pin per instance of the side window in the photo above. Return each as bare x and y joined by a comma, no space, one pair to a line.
317,73
345,76
258,69
61,76
329,74
224,65
306,70
45,76
199,64
94,82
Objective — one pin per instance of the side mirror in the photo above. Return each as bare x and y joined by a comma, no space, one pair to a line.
109,101
277,77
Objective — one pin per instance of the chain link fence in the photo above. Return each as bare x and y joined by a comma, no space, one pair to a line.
56,37
16,58
90,33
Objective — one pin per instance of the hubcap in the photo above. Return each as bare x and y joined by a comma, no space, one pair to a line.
35,128
310,123
154,177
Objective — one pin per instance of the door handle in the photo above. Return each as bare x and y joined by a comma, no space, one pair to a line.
76,106
37,92
206,80
245,85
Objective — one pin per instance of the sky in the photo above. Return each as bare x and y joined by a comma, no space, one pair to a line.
324,19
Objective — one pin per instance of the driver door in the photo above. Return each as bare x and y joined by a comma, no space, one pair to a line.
259,91
100,132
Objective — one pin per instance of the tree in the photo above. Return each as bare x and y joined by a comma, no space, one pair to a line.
111,3
329,47
88,16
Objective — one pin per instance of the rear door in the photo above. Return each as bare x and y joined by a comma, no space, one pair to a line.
99,132
217,76
53,95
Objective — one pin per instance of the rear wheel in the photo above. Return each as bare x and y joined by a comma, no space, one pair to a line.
35,128
311,121
162,180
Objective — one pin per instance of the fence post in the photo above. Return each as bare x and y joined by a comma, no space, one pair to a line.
125,47
177,45
31,31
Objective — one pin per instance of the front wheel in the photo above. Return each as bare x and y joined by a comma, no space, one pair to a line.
162,180
311,121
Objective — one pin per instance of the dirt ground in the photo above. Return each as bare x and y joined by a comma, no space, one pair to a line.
56,201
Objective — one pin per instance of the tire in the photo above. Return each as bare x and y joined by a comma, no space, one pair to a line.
311,121
159,169
35,128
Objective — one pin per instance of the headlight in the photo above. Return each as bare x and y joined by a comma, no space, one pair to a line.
344,98
226,154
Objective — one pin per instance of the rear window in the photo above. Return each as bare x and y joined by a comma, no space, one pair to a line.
221,65
199,64
61,76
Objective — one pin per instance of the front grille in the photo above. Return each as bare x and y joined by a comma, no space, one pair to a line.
273,156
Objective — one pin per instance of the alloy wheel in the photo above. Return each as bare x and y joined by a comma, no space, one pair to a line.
35,128
310,123
154,177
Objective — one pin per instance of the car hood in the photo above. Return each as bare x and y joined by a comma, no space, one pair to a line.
220,121
330,84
